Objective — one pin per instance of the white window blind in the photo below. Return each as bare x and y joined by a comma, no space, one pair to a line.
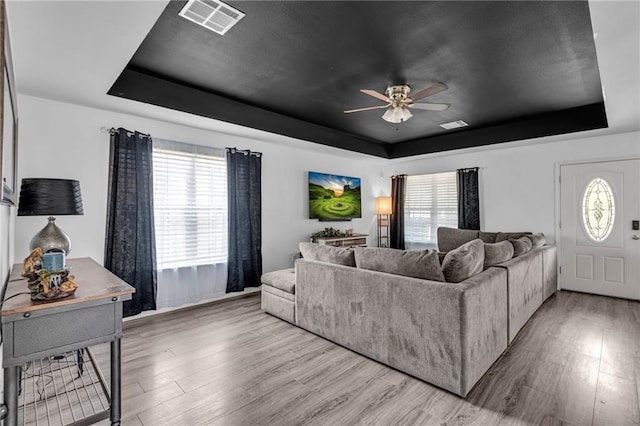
430,201
190,204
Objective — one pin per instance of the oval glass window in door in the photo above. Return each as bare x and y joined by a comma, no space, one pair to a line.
598,209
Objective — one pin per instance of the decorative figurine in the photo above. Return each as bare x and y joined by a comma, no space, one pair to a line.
33,262
43,284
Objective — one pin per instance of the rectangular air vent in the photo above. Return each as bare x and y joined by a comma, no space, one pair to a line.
211,14
454,125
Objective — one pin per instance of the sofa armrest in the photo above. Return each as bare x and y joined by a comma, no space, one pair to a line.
484,324
524,288
549,271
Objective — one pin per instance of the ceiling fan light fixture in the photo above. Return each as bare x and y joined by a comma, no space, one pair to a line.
389,116
406,113
398,102
397,114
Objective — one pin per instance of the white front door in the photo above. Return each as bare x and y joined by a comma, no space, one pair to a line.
600,242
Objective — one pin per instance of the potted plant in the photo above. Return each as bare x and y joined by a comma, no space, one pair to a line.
327,232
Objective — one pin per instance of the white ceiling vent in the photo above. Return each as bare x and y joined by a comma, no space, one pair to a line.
454,125
211,14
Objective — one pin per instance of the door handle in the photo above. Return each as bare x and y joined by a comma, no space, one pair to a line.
635,237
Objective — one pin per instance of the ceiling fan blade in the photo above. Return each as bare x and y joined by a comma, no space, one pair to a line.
430,107
431,90
366,109
376,95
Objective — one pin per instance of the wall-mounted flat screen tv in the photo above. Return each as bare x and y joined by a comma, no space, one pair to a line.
334,197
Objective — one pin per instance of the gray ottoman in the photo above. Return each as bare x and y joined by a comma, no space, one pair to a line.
278,294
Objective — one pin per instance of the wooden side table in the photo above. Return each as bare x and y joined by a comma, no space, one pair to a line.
36,330
353,240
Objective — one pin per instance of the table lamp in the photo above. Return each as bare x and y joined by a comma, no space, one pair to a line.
50,197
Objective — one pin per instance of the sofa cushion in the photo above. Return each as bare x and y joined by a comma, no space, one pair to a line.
338,255
537,240
422,264
488,237
464,262
503,236
520,246
495,253
284,280
279,303
452,238
278,292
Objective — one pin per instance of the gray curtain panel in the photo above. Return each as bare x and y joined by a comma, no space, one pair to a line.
130,249
245,219
468,199
396,224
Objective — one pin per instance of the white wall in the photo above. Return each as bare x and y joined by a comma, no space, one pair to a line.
64,141
7,217
517,183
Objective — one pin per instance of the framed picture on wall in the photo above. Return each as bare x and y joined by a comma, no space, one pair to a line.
8,116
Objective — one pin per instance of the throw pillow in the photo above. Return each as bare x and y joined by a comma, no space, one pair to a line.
463,262
521,246
422,264
497,253
323,253
537,240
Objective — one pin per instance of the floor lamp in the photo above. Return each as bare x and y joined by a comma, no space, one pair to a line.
383,210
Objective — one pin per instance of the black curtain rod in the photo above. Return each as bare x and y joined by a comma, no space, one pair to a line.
468,169
113,131
244,151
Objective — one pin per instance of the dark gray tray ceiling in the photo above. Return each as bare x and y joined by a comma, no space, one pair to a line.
515,70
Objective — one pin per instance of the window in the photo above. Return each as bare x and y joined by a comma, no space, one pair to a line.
190,204
598,209
430,201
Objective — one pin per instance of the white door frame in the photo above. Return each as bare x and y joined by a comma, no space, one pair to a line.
558,200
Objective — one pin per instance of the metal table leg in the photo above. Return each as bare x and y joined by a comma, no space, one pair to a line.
10,388
115,383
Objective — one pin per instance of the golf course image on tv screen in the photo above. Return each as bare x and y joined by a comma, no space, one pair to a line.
333,197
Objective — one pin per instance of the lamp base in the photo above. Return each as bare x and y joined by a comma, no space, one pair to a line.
51,238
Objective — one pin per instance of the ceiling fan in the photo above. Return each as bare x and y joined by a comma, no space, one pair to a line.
398,101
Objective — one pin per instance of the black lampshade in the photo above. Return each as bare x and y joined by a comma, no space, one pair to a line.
54,197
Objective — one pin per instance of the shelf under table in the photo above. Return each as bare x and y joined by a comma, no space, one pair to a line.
53,392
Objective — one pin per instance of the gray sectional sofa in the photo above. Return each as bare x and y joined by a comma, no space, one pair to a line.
531,277
378,303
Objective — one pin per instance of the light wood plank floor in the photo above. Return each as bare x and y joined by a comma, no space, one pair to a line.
577,362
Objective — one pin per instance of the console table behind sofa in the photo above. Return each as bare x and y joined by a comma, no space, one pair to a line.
35,330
